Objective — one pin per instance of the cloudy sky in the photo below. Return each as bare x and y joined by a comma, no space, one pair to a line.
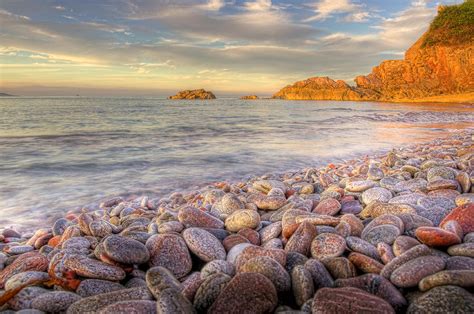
154,47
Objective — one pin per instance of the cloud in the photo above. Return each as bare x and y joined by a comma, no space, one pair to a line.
325,9
258,5
59,7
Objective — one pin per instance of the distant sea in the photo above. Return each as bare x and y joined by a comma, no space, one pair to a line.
60,153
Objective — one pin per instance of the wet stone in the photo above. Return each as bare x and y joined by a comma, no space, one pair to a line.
361,246
464,215
319,273
365,263
193,217
26,278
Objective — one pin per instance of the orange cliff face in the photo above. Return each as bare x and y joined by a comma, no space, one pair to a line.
438,67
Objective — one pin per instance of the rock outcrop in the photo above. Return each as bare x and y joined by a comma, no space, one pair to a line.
194,94
438,67
249,97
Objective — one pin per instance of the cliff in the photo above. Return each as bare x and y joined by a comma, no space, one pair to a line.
438,67
193,94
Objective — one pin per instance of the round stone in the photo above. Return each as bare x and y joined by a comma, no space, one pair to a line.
464,249
30,261
361,246
242,219
170,301
351,207
348,300
218,266
319,273
377,208
360,186
435,173
411,273
246,292
271,269
328,245
403,244
460,263
251,235
91,287
340,267
302,283
433,236
271,231
22,300
443,299
91,268
301,240
376,194
209,290
365,263
382,233
434,214
26,278
329,206
232,240
417,251
193,217
293,259
204,245
254,251
125,250
170,251
100,228
159,278
461,278
464,215
55,301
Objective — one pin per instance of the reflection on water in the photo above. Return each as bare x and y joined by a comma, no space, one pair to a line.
60,153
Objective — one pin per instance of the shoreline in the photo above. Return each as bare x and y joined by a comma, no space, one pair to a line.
403,218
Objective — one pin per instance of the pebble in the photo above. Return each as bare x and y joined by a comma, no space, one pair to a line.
159,278
414,252
271,231
255,251
137,306
360,186
301,240
443,299
464,249
91,287
218,266
376,194
170,301
378,208
383,233
242,219
351,207
30,261
361,246
92,268
193,217
433,236
246,292
233,240
125,250
461,278
464,215
171,252
319,273
412,272
403,244
302,284
209,290
328,206
460,263
271,269
251,235
203,244
365,263
25,278
191,284
97,302
23,299
327,245
340,267
55,301
348,300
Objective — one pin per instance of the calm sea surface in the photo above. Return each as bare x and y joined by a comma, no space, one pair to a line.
60,153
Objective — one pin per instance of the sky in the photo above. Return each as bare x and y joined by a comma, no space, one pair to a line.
231,47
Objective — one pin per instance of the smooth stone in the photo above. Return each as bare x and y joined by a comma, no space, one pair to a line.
409,199
360,186
319,273
413,185
464,199
91,287
329,206
436,201
76,243
251,235
440,172
203,244
460,263
382,233
302,284
442,184
433,236
254,251
229,204
414,252
233,240
386,219
30,261
22,300
170,301
246,292
209,290
170,227
293,259
193,217
378,286
26,278
351,207
385,252
137,306
443,299
327,245
365,263
97,302
464,215
412,221
376,194
403,244
271,269
464,249
340,267
100,228
411,273
348,300
125,250
19,249
170,251
236,251
461,278
377,208
159,278
434,214
301,239
269,202
91,268
55,301
271,231
191,284
242,219
361,246
464,181
218,266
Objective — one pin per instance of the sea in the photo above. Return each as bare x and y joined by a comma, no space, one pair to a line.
61,153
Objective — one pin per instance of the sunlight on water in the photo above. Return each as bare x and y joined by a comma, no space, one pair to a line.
61,153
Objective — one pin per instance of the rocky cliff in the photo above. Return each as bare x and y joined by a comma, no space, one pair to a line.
439,66
193,94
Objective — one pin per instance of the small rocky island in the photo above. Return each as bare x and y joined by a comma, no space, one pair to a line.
249,97
194,94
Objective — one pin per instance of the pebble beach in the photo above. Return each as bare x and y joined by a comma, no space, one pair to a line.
387,233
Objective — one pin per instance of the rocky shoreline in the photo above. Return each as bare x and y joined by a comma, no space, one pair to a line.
391,233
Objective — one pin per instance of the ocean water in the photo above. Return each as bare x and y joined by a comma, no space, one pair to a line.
60,153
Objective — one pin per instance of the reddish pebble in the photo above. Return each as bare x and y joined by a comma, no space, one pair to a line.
433,236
